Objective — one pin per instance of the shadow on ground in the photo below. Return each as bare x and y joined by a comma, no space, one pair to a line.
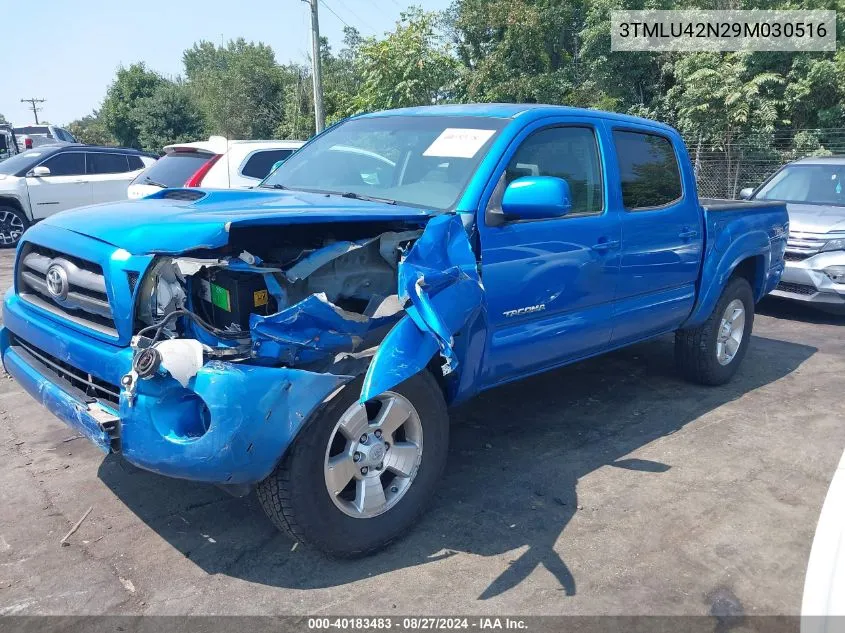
516,456
797,311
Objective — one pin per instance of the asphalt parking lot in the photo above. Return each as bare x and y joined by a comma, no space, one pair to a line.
609,487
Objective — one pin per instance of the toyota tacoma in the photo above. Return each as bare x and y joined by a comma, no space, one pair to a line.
306,339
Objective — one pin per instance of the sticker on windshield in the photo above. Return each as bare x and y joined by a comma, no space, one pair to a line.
455,142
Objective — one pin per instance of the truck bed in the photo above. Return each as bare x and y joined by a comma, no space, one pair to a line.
722,204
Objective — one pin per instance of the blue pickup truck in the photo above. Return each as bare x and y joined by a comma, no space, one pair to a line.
305,339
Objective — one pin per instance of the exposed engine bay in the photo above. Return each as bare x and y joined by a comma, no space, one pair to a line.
320,305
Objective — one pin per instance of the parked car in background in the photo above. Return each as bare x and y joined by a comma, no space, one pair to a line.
39,182
216,163
31,136
814,192
339,308
8,142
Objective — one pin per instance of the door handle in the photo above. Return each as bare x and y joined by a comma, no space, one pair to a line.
606,245
688,234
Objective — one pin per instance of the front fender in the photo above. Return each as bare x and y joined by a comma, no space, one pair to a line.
720,261
442,292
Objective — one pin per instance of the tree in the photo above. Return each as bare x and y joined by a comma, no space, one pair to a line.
519,50
717,100
412,65
239,87
297,121
130,85
3,119
168,116
91,129
341,80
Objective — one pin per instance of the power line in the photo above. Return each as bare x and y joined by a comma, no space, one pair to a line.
356,16
35,110
334,13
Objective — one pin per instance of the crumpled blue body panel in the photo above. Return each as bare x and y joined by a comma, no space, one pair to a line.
309,331
439,278
252,414
231,424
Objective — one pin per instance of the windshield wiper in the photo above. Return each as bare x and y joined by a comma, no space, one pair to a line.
275,186
358,196
150,181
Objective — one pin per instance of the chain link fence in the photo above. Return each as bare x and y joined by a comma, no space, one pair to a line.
723,171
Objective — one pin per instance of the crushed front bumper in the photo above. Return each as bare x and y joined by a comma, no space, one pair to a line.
231,425
806,280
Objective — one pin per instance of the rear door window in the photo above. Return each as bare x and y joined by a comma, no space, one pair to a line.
259,163
66,164
107,163
648,168
135,162
173,170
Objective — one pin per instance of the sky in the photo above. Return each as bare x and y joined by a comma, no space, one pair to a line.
67,51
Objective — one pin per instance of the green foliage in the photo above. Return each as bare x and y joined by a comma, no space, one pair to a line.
772,105
239,87
716,98
408,67
169,115
129,87
3,119
91,129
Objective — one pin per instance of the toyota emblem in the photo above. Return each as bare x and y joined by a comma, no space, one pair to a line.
57,283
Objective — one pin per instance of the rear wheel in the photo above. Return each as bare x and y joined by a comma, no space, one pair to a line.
711,353
13,222
358,476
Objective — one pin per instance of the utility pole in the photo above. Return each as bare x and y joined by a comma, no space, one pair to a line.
32,103
316,71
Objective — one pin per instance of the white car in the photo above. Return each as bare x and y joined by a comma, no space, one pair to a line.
42,181
215,163
32,136
823,606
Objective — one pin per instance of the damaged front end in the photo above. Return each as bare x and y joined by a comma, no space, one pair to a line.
234,349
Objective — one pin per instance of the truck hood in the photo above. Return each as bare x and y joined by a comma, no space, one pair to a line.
815,218
162,223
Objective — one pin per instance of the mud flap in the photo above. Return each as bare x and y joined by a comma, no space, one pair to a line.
440,285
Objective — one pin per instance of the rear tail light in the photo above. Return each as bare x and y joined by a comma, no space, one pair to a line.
27,143
196,179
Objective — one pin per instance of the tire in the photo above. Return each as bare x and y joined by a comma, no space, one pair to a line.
698,355
13,223
296,495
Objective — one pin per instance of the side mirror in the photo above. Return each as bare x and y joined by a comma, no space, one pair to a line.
536,198
39,172
745,194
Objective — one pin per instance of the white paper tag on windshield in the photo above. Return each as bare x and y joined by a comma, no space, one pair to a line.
455,142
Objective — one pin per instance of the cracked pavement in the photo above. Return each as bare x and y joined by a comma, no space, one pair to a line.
609,487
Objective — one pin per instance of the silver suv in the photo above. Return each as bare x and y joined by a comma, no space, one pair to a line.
814,192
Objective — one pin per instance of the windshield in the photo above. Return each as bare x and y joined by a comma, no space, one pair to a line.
423,161
806,184
172,170
33,130
21,162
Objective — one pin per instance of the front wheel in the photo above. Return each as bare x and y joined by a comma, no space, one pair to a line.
13,223
711,353
358,476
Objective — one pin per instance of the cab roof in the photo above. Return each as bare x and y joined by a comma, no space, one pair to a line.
513,111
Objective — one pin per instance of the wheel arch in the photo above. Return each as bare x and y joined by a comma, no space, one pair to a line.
747,256
14,201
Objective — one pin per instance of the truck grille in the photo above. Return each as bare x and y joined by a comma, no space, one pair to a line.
72,288
80,382
800,246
